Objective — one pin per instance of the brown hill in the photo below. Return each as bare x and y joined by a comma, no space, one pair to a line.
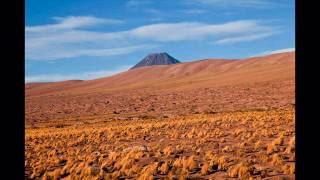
191,87
209,72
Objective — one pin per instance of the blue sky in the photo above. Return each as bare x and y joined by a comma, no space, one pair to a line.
87,39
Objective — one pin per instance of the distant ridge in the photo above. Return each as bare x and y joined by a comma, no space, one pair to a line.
156,59
205,73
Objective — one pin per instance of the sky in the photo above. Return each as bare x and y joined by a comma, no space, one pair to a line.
88,39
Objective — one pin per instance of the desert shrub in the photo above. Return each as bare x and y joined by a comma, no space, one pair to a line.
222,163
279,140
240,171
164,168
226,149
168,151
209,155
205,169
276,160
148,171
190,163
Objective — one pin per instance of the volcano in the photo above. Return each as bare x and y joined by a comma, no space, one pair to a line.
156,59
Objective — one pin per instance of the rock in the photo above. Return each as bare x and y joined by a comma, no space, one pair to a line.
137,148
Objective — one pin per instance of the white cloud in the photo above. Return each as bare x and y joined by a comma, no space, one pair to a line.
155,11
51,42
38,40
237,3
62,53
71,22
167,32
75,76
269,52
244,38
66,40
193,11
278,51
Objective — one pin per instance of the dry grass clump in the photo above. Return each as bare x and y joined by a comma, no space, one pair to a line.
240,171
193,133
191,147
189,163
222,163
149,171
274,146
164,168
184,165
257,145
205,169
276,160
168,151
288,169
291,146
279,140
237,132
242,145
271,148
210,155
113,156
226,149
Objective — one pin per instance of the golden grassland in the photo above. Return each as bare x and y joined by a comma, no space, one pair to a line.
243,145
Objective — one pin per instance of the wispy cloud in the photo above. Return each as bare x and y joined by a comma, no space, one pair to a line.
154,11
75,76
168,32
137,3
62,53
71,22
193,11
67,40
238,3
245,38
277,51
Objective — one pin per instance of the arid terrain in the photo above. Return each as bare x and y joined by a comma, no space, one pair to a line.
207,119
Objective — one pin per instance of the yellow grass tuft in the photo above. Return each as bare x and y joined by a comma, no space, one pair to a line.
279,140
168,151
189,163
288,169
226,149
209,155
164,168
240,171
222,163
113,156
149,171
257,145
205,169
276,160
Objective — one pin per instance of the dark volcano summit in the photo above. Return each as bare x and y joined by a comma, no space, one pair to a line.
156,59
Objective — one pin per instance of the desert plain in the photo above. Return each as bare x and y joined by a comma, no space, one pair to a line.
206,119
